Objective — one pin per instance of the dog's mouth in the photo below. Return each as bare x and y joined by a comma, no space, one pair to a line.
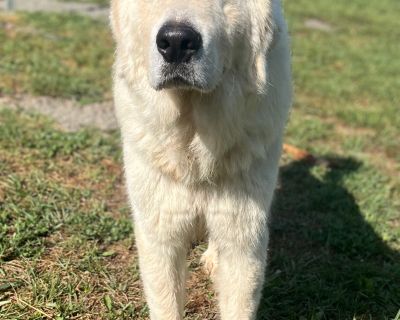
176,82
179,77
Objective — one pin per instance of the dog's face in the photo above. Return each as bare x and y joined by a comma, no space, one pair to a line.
189,44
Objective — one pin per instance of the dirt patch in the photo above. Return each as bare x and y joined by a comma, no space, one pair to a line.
69,114
318,25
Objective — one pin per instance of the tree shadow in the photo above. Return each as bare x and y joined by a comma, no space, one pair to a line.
326,261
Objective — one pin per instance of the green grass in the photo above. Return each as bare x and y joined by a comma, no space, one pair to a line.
59,225
66,244
350,75
55,55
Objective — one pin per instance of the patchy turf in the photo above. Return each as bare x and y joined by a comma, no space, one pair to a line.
55,55
66,243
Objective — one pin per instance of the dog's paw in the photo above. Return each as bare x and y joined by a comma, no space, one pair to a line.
209,260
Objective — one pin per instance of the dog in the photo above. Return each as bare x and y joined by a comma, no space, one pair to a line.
202,90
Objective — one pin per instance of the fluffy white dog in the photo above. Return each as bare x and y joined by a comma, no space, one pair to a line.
202,91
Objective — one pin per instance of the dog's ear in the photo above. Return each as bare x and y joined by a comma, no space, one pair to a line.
115,19
262,39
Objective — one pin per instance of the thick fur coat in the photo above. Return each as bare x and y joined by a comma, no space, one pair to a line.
202,160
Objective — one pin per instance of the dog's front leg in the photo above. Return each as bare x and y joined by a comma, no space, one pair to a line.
241,237
239,280
162,267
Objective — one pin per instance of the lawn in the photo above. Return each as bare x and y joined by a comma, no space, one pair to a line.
56,55
66,242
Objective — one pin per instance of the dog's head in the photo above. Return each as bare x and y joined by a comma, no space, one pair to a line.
192,44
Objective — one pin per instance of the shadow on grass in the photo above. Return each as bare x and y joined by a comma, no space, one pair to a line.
326,261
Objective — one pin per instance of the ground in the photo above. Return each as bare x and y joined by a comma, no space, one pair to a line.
66,239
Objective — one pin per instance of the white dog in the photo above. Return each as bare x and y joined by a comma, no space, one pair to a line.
202,92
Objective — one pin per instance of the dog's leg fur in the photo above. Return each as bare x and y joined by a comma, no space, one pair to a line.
237,222
209,259
239,281
163,230
241,262
242,252
163,272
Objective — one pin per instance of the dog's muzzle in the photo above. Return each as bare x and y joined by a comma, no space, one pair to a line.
179,45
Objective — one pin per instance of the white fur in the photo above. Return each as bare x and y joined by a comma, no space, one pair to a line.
203,157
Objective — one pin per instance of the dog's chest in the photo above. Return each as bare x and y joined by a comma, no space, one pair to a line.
199,143
187,156
183,156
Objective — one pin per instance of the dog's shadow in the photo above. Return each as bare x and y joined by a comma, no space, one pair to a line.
326,261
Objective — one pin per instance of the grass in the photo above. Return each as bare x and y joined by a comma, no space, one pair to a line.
57,55
47,197
66,243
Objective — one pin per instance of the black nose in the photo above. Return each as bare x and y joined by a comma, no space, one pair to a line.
178,42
